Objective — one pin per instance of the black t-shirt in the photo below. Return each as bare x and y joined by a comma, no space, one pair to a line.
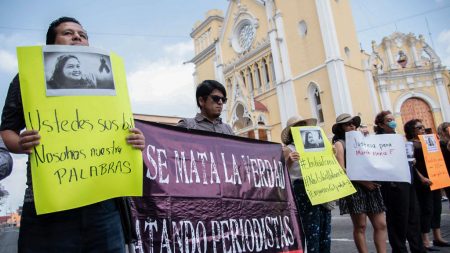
12,115
13,119
445,154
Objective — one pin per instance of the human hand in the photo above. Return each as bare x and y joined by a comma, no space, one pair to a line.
90,79
369,185
28,139
425,181
136,139
294,156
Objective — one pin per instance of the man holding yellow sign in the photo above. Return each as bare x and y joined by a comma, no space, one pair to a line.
96,227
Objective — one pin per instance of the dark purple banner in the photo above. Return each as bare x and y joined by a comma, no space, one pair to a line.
207,192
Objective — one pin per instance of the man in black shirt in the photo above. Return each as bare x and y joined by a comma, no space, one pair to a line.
92,228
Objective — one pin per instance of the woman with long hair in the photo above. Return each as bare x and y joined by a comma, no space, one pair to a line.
402,210
444,141
68,74
367,201
429,201
316,220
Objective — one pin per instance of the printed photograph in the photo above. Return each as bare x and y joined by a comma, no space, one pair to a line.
78,74
312,139
431,143
410,150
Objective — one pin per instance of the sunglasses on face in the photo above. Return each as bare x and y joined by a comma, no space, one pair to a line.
216,99
351,123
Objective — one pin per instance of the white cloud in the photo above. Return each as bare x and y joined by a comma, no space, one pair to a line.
180,49
8,45
15,184
444,39
8,62
165,86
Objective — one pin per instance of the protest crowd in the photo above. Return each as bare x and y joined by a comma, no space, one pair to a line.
404,212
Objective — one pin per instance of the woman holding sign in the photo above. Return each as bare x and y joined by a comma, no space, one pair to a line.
429,201
402,210
316,220
367,201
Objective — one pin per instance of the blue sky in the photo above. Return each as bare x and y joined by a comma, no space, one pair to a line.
153,39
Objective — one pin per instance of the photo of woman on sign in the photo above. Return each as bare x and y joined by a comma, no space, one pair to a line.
68,74
312,139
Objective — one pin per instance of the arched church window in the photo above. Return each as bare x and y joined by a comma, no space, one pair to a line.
302,28
250,78
347,51
265,76
316,103
272,69
243,78
229,84
257,79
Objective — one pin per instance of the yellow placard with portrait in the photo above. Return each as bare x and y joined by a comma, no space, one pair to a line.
323,177
77,98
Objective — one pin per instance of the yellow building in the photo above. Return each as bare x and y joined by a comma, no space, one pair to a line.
410,79
282,58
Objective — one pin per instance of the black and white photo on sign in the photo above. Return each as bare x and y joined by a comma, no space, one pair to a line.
312,139
77,71
410,150
431,143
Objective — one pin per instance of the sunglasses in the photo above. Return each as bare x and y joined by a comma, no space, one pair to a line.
351,123
216,99
419,127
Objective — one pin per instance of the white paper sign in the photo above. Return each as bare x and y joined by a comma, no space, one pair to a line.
376,157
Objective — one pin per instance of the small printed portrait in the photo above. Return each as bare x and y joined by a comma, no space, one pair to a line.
78,74
410,151
430,141
312,140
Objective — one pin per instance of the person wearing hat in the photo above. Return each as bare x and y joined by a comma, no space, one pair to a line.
367,201
316,220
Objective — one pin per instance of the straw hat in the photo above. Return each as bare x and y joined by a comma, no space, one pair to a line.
344,118
292,121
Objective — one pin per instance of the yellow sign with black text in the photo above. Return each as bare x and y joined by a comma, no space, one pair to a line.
324,178
77,98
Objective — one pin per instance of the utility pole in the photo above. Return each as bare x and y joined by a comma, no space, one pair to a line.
429,32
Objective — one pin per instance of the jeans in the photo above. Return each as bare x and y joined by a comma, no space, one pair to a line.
316,221
92,228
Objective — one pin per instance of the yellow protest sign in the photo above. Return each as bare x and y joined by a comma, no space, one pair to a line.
324,178
77,98
436,169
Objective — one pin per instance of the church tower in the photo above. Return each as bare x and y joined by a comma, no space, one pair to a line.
281,58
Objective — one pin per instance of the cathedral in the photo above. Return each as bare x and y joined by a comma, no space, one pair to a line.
279,58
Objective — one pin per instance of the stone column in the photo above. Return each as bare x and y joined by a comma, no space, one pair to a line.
392,63
412,44
335,64
442,96
385,101
372,91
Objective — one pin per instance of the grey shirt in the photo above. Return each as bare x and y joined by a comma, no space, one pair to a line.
200,122
6,161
